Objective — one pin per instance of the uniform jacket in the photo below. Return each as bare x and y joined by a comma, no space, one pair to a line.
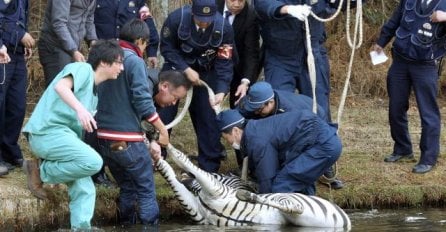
247,39
110,16
284,36
183,47
272,142
416,37
13,24
67,23
124,102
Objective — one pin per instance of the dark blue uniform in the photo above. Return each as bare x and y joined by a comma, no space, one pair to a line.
182,46
418,45
286,102
284,44
13,78
111,15
288,152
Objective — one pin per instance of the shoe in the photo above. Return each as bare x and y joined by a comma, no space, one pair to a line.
9,166
35,185
403,158
422,168
17,162
3,170
336,184
103,180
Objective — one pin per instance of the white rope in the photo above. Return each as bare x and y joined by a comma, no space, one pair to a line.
357,19
183,112
190,92
310,57
217,108
353,46
311,65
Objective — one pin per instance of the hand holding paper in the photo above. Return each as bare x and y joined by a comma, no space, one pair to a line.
378,57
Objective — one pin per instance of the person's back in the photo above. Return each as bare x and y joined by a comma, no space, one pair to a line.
123,104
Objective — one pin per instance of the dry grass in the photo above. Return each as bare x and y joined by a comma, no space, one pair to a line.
370,182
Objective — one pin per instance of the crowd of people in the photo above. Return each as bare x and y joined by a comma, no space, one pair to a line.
90,114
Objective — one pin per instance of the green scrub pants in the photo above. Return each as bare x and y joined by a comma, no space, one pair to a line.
67,159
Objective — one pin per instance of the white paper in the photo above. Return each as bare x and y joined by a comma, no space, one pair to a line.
378,58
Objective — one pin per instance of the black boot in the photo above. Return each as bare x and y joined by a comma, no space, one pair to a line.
102,179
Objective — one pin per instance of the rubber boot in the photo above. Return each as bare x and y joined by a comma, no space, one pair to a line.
35,185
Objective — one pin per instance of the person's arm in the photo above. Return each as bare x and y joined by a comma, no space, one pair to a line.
4,57
251,54
90,28
64,89
438,16
141,98
266,162
169,46
224,65
60,13
269,8
389,29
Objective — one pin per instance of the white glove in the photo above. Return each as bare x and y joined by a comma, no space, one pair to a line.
299,11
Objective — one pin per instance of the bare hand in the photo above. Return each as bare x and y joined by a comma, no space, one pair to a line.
4,57
377,48
155,151
241,92
152,62
193,76
86,119
438,16
218,99
164,138
78,57
28,53
28,41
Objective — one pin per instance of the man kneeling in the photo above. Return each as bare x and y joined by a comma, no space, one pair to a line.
287,152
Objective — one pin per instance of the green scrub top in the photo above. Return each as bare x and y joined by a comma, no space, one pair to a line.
52,114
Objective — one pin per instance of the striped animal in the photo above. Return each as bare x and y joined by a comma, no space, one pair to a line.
232,204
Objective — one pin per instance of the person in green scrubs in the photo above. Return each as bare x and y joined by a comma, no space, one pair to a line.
55,128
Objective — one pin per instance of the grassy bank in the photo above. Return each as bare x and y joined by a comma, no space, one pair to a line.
370,183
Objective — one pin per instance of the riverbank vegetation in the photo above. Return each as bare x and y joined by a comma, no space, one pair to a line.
369,182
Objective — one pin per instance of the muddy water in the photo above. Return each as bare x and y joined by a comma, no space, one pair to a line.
362,220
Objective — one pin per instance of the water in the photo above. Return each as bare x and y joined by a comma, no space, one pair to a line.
371,220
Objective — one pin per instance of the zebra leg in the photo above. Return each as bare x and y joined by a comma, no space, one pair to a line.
287,207
209,184
187,200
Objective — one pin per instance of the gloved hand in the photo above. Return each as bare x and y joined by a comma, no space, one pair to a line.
299,11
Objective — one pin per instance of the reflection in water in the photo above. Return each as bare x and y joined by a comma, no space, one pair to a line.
373,220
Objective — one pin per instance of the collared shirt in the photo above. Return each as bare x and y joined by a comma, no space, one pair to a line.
229,15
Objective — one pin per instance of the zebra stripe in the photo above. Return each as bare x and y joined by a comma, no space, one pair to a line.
214,199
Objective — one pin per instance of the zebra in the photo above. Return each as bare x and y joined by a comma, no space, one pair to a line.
233,204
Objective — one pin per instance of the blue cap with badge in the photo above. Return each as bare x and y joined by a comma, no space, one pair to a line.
258,94
204,10
228,119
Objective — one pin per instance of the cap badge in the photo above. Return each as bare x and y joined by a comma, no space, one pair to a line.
206,10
